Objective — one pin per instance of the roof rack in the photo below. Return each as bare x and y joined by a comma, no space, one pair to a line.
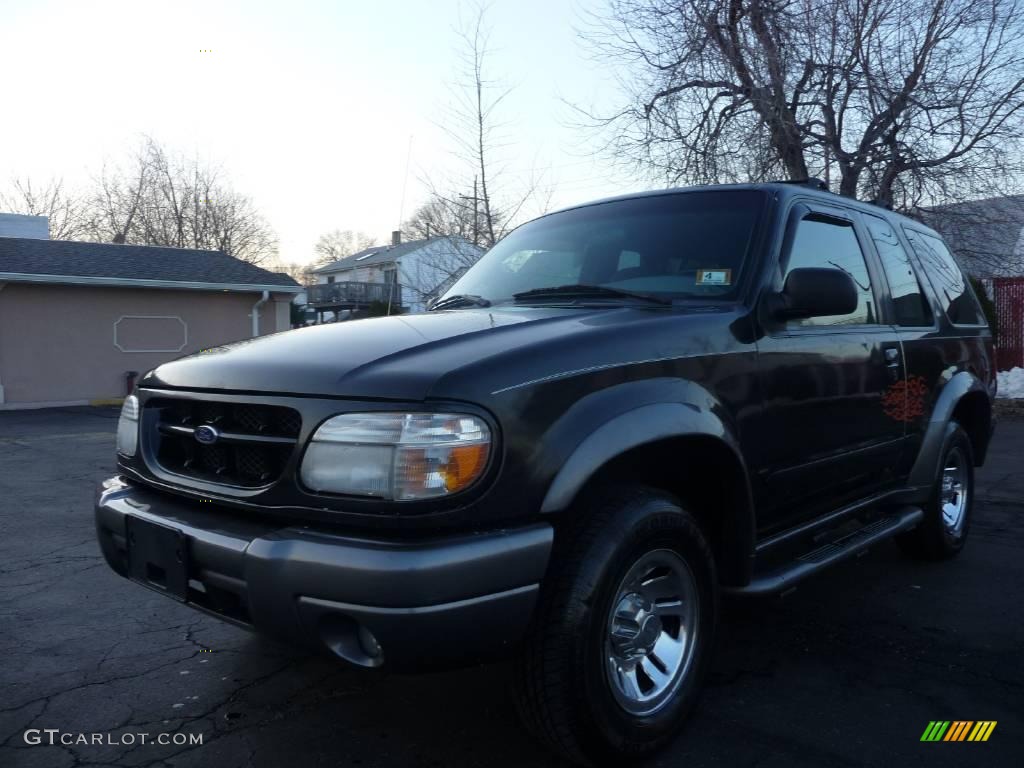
813,183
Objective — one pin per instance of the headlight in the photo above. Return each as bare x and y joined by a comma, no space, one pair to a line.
128,427
397,456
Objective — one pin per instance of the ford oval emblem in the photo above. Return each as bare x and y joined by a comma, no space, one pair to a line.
206,435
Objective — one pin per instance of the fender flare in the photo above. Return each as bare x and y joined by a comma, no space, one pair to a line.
694,416
646,424
925,470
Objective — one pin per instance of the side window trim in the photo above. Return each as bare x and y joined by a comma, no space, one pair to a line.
876,272
879,279
796,213
803,208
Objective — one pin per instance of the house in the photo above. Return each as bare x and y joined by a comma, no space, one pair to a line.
20,225
401,276
988,237
76,319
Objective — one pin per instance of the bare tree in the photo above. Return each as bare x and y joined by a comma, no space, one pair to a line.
486,195
162,199
116,199
339,243
64,211
470,212
298,272
437,217
476,121
906,101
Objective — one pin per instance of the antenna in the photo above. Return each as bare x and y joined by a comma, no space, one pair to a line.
405,182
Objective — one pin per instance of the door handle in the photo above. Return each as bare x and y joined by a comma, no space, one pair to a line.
892,362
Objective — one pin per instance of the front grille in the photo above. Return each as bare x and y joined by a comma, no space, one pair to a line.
253,445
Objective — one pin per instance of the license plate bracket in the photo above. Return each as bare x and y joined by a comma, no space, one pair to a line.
157,556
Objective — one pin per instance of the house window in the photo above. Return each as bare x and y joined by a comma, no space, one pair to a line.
330,278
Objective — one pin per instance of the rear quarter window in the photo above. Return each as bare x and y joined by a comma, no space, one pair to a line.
951,286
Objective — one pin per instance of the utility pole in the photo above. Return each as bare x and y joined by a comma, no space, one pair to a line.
476,216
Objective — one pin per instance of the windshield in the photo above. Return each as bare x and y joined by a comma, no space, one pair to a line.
688,245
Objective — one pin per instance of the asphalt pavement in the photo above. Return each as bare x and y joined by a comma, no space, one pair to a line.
847,671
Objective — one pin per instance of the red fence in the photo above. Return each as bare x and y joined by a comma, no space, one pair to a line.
1009,299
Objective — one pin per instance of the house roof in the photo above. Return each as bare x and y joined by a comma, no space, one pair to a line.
65,261
379,254
987,235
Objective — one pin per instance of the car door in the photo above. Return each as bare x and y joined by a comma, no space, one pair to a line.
923,353
827,439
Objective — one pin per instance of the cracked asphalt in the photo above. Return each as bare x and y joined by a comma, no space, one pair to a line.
847,671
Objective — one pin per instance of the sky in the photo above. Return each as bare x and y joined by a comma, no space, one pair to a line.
329,115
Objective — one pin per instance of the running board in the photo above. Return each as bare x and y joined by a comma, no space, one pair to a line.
783,578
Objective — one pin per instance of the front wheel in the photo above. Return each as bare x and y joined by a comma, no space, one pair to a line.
947,515
623,634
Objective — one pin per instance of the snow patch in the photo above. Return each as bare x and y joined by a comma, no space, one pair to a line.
1011,383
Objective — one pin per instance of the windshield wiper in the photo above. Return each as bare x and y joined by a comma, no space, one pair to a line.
581,291
461,300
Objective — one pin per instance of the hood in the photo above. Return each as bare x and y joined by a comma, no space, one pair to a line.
328,359
459,354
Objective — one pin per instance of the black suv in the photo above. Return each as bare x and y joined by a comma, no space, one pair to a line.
624,409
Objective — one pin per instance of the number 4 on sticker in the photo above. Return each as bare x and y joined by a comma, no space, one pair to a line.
714,277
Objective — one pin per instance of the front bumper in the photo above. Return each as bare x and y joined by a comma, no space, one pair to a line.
405,604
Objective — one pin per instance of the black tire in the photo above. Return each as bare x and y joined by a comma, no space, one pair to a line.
936,538
564,690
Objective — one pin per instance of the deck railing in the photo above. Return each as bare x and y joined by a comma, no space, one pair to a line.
354,294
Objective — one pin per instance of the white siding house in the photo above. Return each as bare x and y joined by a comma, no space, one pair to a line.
20,225
407,275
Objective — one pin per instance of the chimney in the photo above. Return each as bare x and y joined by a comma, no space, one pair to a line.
396,238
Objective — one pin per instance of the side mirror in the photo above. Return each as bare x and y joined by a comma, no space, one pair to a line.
815,292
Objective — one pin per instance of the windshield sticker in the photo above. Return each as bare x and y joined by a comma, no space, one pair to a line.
714,277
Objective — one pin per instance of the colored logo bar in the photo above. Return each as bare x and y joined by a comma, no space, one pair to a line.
958,730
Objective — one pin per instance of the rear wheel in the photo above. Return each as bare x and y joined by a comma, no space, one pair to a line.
623,634
947,515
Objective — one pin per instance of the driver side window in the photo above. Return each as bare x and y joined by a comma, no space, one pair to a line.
832,244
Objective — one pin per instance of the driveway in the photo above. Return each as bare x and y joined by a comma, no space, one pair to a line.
846,671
